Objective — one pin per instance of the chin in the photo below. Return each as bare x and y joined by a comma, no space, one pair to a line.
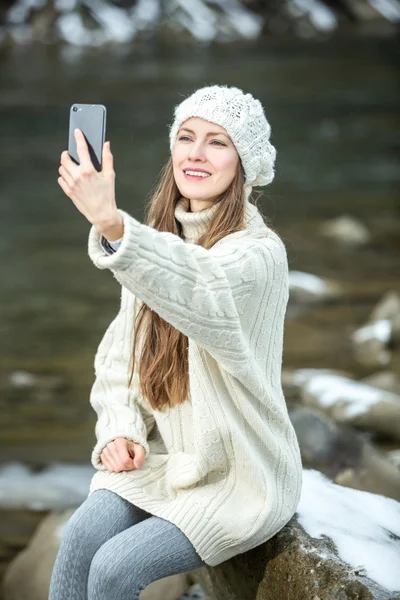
192,194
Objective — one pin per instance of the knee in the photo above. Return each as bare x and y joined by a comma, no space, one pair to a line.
104,572
81,525
111,574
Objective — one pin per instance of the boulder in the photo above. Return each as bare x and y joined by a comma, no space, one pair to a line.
373,341
309,288
348,401
344,454
385,380
389,308
370,343
340,544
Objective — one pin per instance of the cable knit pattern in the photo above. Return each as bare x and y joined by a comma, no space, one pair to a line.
225,466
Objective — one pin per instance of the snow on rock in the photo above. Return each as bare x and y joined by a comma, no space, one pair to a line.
388,308
203,20
145,13
380,330
306,287
349,401
194,16
371,341
363,526
390,9
320,15
20,10
115,21
341,543
55,487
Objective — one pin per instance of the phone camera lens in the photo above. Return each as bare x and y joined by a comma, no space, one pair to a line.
75,108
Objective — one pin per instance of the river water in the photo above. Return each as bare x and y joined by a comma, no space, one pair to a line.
332,107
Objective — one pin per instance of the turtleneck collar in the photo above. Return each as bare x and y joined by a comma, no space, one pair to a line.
195,224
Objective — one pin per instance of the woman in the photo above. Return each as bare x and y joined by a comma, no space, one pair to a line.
197,460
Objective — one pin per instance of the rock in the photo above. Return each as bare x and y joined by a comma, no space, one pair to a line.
385,380
347,401
389,308
198,20
312,558
370,343
346,230
306,287
317,435
294,379
394,457
28,575
343,454
374,473
195,592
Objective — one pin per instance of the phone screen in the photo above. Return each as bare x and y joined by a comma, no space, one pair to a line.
91,120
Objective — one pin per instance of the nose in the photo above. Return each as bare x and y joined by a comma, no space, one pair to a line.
197,151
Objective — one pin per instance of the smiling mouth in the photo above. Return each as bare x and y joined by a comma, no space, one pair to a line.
198,177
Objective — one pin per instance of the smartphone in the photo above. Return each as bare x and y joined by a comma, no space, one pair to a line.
91,120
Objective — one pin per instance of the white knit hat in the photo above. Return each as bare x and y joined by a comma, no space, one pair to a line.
244,120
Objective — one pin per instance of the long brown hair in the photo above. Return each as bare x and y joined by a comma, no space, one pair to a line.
164,366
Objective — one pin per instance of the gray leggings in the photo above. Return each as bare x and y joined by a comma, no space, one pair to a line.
111,550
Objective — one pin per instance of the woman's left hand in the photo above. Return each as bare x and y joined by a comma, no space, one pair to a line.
92,192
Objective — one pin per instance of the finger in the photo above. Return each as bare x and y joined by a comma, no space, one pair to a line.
139,455
66,176
68,164
64,186
105,462
120,450
107,160
111,459
83,151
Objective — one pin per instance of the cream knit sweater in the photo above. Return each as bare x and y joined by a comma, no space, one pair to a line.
225,466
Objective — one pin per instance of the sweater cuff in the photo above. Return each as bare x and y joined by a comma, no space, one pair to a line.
126,252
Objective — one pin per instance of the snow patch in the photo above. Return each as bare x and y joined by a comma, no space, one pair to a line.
359,523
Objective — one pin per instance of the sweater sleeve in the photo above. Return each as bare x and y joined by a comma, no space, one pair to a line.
117,406
202,293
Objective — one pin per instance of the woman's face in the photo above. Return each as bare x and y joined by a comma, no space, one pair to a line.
203,146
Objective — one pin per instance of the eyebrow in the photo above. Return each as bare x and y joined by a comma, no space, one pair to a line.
208,134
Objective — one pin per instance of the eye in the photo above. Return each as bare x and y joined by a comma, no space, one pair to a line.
185,137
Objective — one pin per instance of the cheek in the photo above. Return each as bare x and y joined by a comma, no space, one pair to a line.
228,164
178,155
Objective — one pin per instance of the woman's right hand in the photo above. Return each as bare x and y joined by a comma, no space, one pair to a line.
122,455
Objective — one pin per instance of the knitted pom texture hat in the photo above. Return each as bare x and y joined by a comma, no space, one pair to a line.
244,120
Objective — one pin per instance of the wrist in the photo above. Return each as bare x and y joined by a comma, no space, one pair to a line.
112,230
